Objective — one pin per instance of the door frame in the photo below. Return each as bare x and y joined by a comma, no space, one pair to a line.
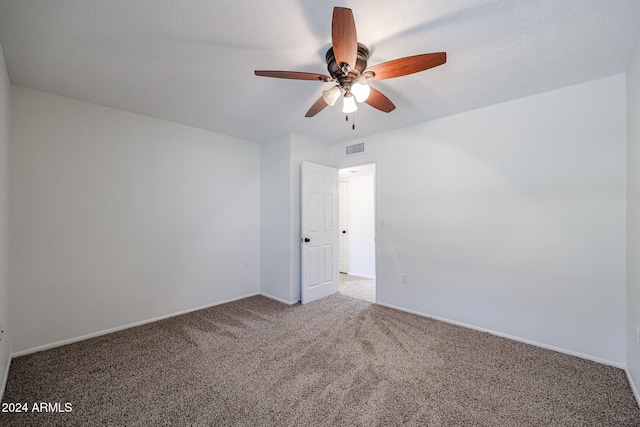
375,207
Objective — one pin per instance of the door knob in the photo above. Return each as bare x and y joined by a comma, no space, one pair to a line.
307,240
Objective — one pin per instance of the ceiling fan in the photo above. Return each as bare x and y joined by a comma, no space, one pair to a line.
347,66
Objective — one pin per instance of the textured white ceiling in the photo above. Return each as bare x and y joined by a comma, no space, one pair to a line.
192,61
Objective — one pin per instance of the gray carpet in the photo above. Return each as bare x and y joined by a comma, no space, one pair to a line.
338,361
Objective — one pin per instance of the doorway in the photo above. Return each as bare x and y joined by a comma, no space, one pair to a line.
357,260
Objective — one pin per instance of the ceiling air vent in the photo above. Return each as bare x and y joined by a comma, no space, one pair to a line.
355,149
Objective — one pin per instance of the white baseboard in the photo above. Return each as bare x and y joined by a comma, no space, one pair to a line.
633,386
5,378
120,328
278,299
512,337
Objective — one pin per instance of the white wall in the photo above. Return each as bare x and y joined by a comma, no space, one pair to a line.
118,218
633,220
5,348
510,218
275,219
361,226
280,193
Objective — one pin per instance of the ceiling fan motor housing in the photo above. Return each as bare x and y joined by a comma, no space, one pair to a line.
354,74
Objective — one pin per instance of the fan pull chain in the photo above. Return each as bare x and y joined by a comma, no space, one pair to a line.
353,119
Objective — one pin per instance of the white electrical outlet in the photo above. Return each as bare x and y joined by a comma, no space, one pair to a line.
405,278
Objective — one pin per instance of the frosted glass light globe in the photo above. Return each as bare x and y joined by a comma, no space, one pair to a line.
331,96
349,104
360,91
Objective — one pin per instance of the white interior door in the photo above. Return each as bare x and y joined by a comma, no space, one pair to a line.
319,231
343,264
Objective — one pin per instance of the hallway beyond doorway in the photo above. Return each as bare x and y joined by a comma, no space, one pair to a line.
357,287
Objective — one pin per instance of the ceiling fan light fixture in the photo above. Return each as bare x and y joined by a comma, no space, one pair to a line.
347,64
331,96
360,92
349,104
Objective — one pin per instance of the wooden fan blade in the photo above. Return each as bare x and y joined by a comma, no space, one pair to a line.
316,107
294,75
377,100
407,65
343,37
